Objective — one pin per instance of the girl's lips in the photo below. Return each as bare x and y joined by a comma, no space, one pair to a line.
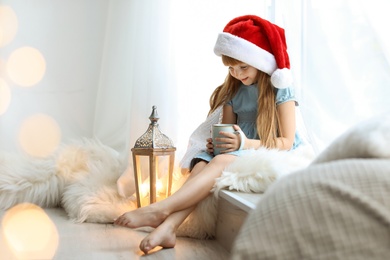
245,79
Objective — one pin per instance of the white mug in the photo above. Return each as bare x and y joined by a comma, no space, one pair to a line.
215,133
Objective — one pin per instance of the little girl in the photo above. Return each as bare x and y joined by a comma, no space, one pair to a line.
256,97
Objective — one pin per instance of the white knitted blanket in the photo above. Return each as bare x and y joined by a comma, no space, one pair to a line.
197,141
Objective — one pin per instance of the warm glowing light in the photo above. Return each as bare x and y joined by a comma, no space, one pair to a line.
8,25
3,68
144,189
145,186
26,66
39,135
159,186
5,96
29,232
1,36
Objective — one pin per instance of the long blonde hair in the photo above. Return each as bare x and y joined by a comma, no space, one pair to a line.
267,122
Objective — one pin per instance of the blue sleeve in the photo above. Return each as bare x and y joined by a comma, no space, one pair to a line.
285,94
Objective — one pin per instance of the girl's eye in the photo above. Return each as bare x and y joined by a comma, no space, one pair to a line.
244,67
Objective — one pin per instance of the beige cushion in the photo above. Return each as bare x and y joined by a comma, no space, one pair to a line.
334,210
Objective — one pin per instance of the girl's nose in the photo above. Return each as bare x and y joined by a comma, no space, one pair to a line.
237,72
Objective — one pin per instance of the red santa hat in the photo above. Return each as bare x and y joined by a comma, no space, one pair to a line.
259,43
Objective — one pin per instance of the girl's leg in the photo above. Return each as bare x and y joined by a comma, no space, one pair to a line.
192,191
165,234
158,218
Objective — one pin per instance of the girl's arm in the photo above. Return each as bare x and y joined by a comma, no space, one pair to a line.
286,113
229,117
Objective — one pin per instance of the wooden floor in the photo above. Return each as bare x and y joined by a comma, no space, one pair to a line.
106,241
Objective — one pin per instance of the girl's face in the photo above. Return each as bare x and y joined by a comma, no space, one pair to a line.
245,73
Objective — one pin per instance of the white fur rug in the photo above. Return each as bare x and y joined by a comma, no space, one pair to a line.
82,178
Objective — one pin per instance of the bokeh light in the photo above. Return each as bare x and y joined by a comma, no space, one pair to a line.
3,65
5,96
29,232
39,135
26,66
8,25
1,35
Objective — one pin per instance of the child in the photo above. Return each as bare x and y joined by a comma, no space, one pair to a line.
255,97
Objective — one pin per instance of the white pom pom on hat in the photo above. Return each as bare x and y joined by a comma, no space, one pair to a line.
259,43
282,78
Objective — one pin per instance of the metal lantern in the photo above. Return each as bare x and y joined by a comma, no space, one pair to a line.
152,144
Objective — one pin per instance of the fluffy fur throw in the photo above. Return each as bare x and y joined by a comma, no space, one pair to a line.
80,177
257,170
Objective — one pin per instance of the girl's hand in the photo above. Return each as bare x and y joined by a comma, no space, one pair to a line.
231,141
210,146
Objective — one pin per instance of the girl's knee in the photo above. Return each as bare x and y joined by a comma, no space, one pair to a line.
197,167
223,159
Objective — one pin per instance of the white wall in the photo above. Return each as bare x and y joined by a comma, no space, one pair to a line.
70,36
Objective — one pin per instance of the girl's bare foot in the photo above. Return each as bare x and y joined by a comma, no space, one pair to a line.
163,235
141,217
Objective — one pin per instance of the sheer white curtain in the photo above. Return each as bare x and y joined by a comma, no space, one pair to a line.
137,72
343,61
